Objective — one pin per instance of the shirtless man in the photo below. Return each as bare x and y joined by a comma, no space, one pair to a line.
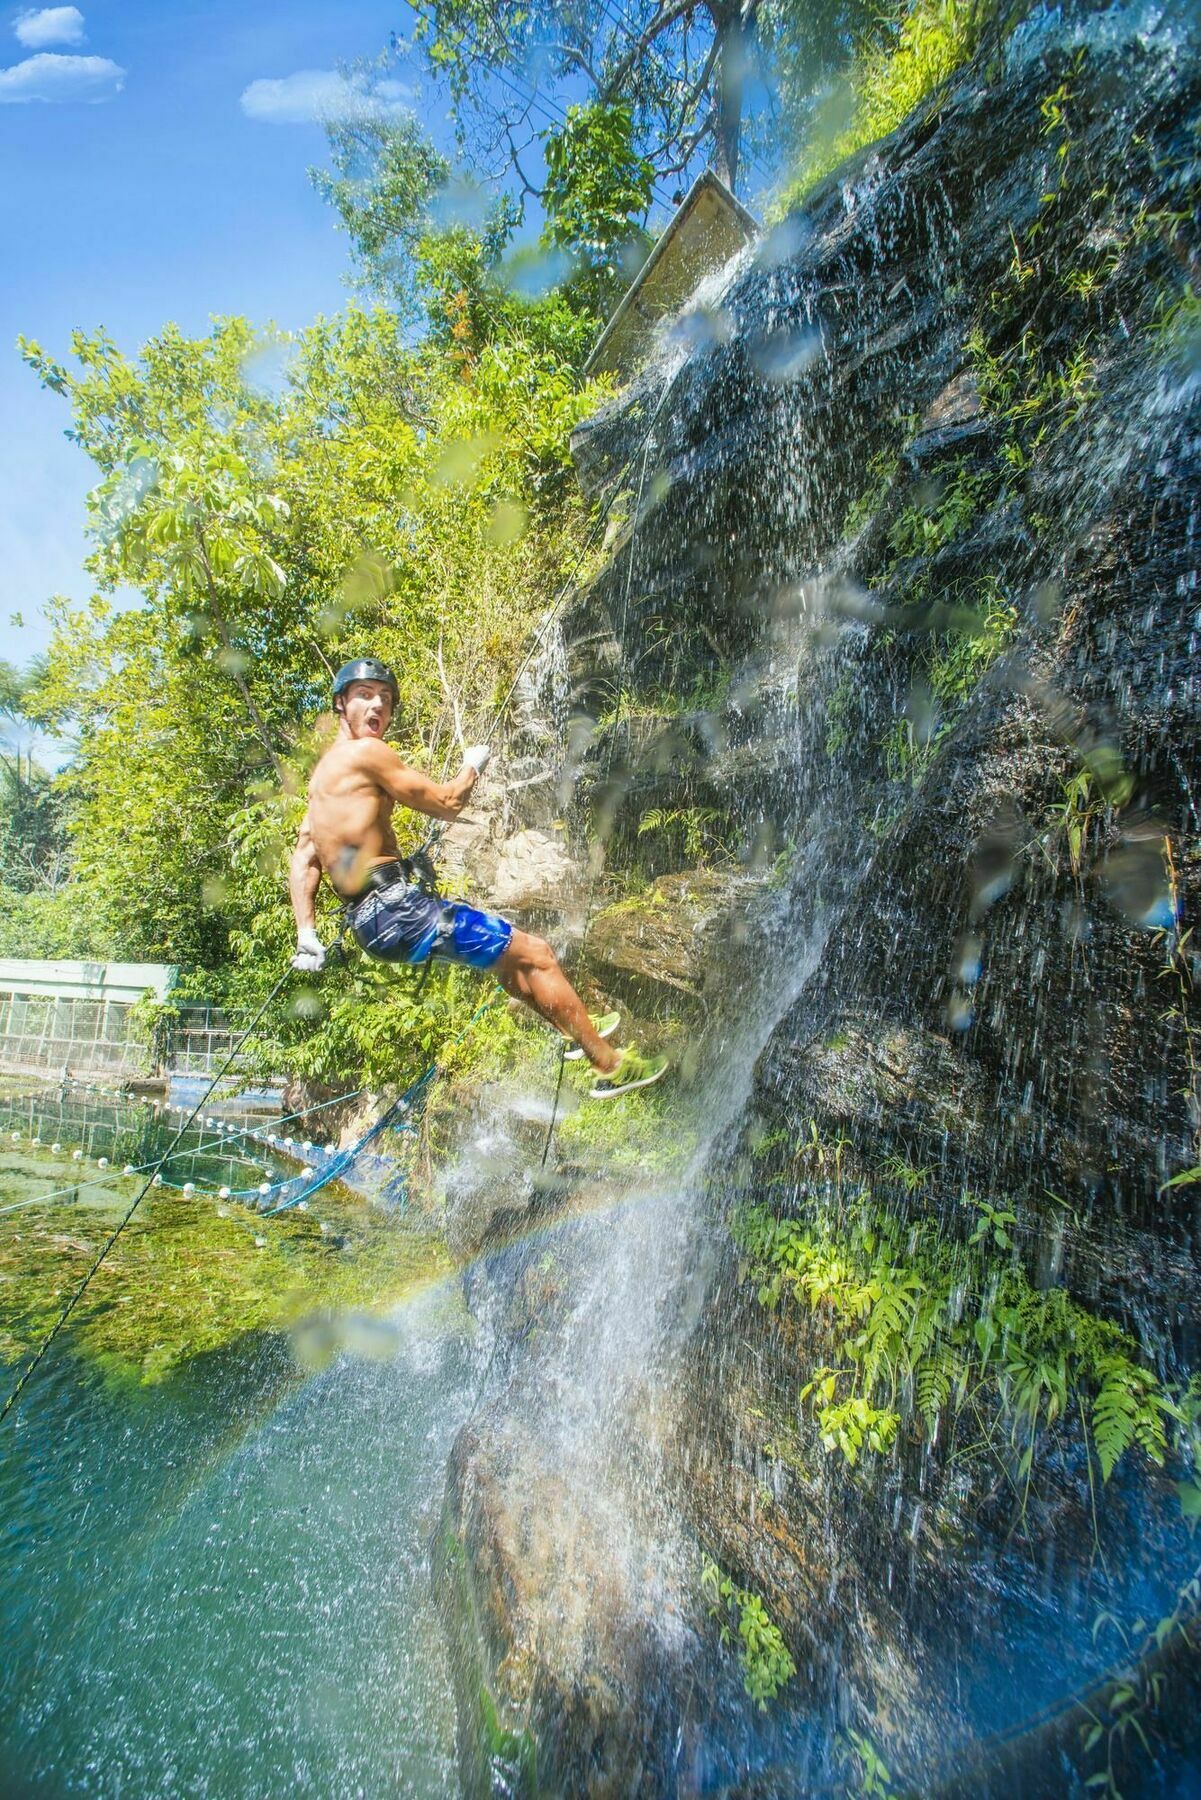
347,835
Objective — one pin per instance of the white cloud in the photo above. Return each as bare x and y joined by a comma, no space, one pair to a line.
311,96
49,77
49,25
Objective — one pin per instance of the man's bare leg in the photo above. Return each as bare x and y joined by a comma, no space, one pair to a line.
529,970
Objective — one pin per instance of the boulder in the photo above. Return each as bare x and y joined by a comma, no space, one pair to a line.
533,869
669,935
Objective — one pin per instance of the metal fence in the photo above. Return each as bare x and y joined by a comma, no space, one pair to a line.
198,1041
39,1034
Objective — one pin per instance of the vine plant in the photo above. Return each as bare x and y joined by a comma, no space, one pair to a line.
766,1664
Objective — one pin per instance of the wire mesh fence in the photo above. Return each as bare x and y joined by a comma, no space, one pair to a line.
43,1034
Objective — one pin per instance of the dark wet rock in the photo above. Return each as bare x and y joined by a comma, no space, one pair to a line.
970,989
558,1648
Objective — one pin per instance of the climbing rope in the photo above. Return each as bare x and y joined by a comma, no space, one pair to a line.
79,1292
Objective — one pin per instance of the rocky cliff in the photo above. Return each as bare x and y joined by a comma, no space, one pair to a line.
847,1434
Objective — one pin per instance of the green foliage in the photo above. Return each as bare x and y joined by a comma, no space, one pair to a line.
922,530
874,1780
907,752
375,495
1102,785
679,71
906,1174
385,175
766,1664
596,187
912,1312
962,656
641,1135
695,826
916,50
188,1276
881,469
994,1222
951,663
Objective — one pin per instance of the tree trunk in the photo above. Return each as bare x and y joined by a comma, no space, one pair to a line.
733,25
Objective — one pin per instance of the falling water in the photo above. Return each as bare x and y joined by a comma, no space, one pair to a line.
921,490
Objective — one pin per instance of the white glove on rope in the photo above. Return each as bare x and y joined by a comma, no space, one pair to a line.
477,758
310,952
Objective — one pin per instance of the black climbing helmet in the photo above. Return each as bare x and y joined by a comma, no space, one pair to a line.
365,668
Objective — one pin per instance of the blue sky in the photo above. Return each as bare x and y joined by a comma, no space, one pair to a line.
161,201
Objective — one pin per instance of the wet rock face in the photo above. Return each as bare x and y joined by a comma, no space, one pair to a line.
534,871
567,1649
907,621
682,930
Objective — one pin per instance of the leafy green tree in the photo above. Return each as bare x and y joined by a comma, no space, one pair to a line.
596,186
680,65
410,501
384,180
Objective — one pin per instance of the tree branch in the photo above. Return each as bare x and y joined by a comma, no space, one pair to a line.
667,15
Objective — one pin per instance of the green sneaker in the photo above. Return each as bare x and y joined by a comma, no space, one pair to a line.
603,1027
633,1071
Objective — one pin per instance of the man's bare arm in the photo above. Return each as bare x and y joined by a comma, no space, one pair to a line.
304,878
437,799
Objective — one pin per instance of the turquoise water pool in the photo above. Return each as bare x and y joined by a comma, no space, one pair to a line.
218,1583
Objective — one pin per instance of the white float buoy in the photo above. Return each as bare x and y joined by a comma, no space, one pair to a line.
264,1187
302,1206
77,1156
54,1149
157,1182
189,1188
35,1142
102,1162
259,1243
16,1137
129,1169
306,1174
223,1194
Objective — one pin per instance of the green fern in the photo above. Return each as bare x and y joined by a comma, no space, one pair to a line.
912,1312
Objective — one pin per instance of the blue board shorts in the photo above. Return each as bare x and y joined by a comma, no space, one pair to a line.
405,924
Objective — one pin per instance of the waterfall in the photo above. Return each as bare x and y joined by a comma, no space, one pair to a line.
904,615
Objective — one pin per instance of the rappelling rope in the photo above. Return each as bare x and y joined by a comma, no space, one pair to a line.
79,1292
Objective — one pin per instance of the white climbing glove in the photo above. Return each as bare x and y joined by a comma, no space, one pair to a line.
477,758
310,952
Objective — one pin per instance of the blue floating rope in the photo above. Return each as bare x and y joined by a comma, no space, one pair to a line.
340,1163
